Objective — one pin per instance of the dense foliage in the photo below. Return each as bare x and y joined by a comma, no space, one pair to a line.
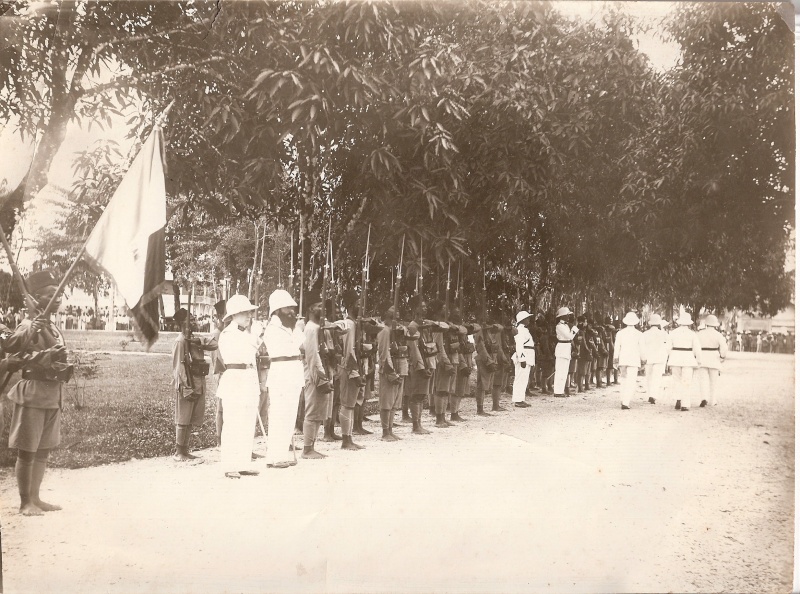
541,156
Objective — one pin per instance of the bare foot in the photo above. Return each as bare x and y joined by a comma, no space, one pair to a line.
313,455
187,458
30,509
48,507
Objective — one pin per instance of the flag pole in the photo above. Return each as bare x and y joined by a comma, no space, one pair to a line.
82,251
29,303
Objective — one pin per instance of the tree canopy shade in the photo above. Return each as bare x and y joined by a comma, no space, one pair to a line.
488,135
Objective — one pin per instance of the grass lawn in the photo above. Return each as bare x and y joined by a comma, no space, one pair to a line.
125,408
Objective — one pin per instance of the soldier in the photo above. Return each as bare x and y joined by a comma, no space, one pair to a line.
628,356
601,345
465,365
486,358
500,380
445,370
390,383
217,365
330,351
545,355
683,357
189,371
318,383
714,349
611,333
419,376
37,347
655,350
524,358
351,382
563,351
582,352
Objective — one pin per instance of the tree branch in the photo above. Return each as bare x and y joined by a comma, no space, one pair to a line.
130,80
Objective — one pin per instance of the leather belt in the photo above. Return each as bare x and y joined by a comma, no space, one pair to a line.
527,347
239,366
681,348
710,348
287,358
565,341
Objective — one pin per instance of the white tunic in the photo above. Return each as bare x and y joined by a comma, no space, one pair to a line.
656,345
714,348
628,347
524,346
239,390
685,348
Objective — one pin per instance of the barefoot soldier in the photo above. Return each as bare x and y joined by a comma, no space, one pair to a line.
419,377
36,347
444,369
318,389
500,379
486,359
390,384
465,365
189,371
351,381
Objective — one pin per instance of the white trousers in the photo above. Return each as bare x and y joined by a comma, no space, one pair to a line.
654,372
627,383
709,379
560,378
284,398
239,418
682,385
521,376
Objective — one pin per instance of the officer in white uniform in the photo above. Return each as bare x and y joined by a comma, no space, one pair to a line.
714,349
524,359
683,357
564,336
238,388
283,339
628,357
655,350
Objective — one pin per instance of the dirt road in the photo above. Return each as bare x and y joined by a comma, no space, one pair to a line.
568,495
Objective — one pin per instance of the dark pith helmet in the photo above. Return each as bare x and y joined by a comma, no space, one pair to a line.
37,281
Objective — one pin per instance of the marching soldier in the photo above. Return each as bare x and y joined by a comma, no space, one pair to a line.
563,352
628,356
655,350
189,371
683,357
714,349
524,358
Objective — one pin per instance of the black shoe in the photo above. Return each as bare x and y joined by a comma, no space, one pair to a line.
521,404
684,409
625,407
677,405
560,395
703,403
651,400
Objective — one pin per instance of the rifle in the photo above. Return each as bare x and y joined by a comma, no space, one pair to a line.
361,353
187,355
447,295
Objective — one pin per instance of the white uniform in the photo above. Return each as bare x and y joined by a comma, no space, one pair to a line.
713,353
655,350
564,334
239,391
285,381
683,359
524,353
628,358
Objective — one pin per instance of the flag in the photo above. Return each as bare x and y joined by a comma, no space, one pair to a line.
128,241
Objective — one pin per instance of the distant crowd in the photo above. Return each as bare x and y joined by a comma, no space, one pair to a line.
761,342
